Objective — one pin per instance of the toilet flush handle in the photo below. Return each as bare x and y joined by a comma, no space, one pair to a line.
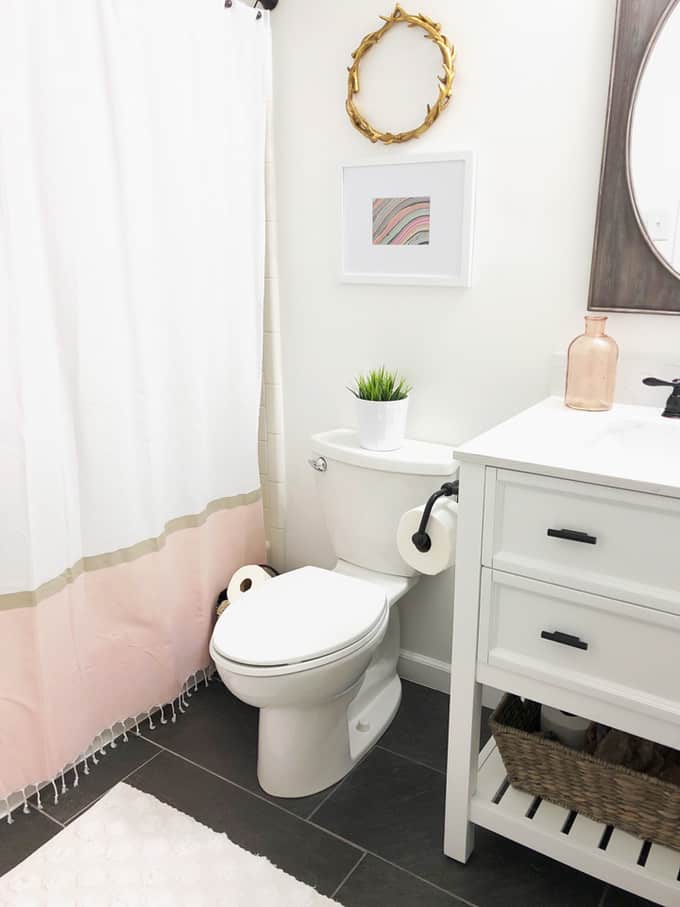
318,463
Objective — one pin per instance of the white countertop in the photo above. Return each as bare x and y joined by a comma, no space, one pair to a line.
630,447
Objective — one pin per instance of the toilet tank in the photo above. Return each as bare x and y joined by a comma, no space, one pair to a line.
363,494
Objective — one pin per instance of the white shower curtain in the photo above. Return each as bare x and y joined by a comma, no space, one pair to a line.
131,282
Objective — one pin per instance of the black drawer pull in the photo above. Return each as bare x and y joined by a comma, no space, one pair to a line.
565,639
572,536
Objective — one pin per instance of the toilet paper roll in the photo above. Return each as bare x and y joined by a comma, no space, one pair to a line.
569,729
246,578
441,528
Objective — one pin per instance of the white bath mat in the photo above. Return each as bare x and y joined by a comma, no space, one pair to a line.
130,849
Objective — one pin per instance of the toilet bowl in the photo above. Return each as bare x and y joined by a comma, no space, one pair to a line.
316,650
321,630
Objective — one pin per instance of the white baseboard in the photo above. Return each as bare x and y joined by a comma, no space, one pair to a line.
436,674
428,672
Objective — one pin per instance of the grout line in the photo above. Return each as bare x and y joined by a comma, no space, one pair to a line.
141,765
329,794
43,812
308,819
456,897
338,784
120,781
85,808
254,793
383,859
356,866
246,790
439,771
320,828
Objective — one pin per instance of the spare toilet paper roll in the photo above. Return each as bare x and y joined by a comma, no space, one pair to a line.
441,527
246,578
569,729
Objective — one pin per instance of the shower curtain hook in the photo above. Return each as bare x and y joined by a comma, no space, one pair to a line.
265,4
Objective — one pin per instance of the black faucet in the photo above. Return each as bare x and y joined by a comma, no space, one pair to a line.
672,410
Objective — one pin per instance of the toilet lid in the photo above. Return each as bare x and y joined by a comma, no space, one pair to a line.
298,616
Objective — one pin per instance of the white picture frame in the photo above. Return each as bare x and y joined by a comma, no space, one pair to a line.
437,191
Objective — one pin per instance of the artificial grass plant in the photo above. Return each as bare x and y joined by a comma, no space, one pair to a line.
380,385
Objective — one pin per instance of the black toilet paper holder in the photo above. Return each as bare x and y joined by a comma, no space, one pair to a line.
421,539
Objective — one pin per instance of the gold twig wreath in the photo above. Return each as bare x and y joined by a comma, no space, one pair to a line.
433,32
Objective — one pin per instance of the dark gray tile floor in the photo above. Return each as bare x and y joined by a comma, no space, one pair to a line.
313,856
394,808
220,733
375,883
113,767
26,834
617,898
373,840
422,726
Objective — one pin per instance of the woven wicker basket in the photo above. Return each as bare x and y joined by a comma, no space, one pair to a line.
643,806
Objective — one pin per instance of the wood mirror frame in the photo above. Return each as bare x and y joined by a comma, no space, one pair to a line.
626,276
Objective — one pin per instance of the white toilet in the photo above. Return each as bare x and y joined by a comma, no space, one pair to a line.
316,650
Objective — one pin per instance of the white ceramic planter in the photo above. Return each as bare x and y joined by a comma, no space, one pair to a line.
382,423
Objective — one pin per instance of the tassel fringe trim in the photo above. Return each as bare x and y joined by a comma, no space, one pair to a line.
106,737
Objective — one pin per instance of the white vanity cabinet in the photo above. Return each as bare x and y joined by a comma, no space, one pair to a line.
567,593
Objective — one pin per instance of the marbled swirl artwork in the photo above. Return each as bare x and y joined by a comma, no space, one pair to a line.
401,221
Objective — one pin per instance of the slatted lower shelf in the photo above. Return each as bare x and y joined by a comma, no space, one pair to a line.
608,854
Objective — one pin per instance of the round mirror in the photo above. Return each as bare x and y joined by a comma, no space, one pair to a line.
654,142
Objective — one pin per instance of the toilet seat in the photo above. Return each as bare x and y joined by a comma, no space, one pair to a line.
298,620
288,670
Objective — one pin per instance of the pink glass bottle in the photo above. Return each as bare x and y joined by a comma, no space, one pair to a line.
591,368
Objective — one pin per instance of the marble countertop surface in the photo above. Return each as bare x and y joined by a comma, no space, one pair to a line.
631,447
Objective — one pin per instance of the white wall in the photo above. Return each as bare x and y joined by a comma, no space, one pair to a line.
530,99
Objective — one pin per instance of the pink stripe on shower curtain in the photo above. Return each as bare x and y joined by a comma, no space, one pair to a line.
114,643
132,147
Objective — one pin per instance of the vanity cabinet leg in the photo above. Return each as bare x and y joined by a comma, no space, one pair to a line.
466,694
461,779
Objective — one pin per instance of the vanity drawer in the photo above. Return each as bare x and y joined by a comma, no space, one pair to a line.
623,544
586,643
